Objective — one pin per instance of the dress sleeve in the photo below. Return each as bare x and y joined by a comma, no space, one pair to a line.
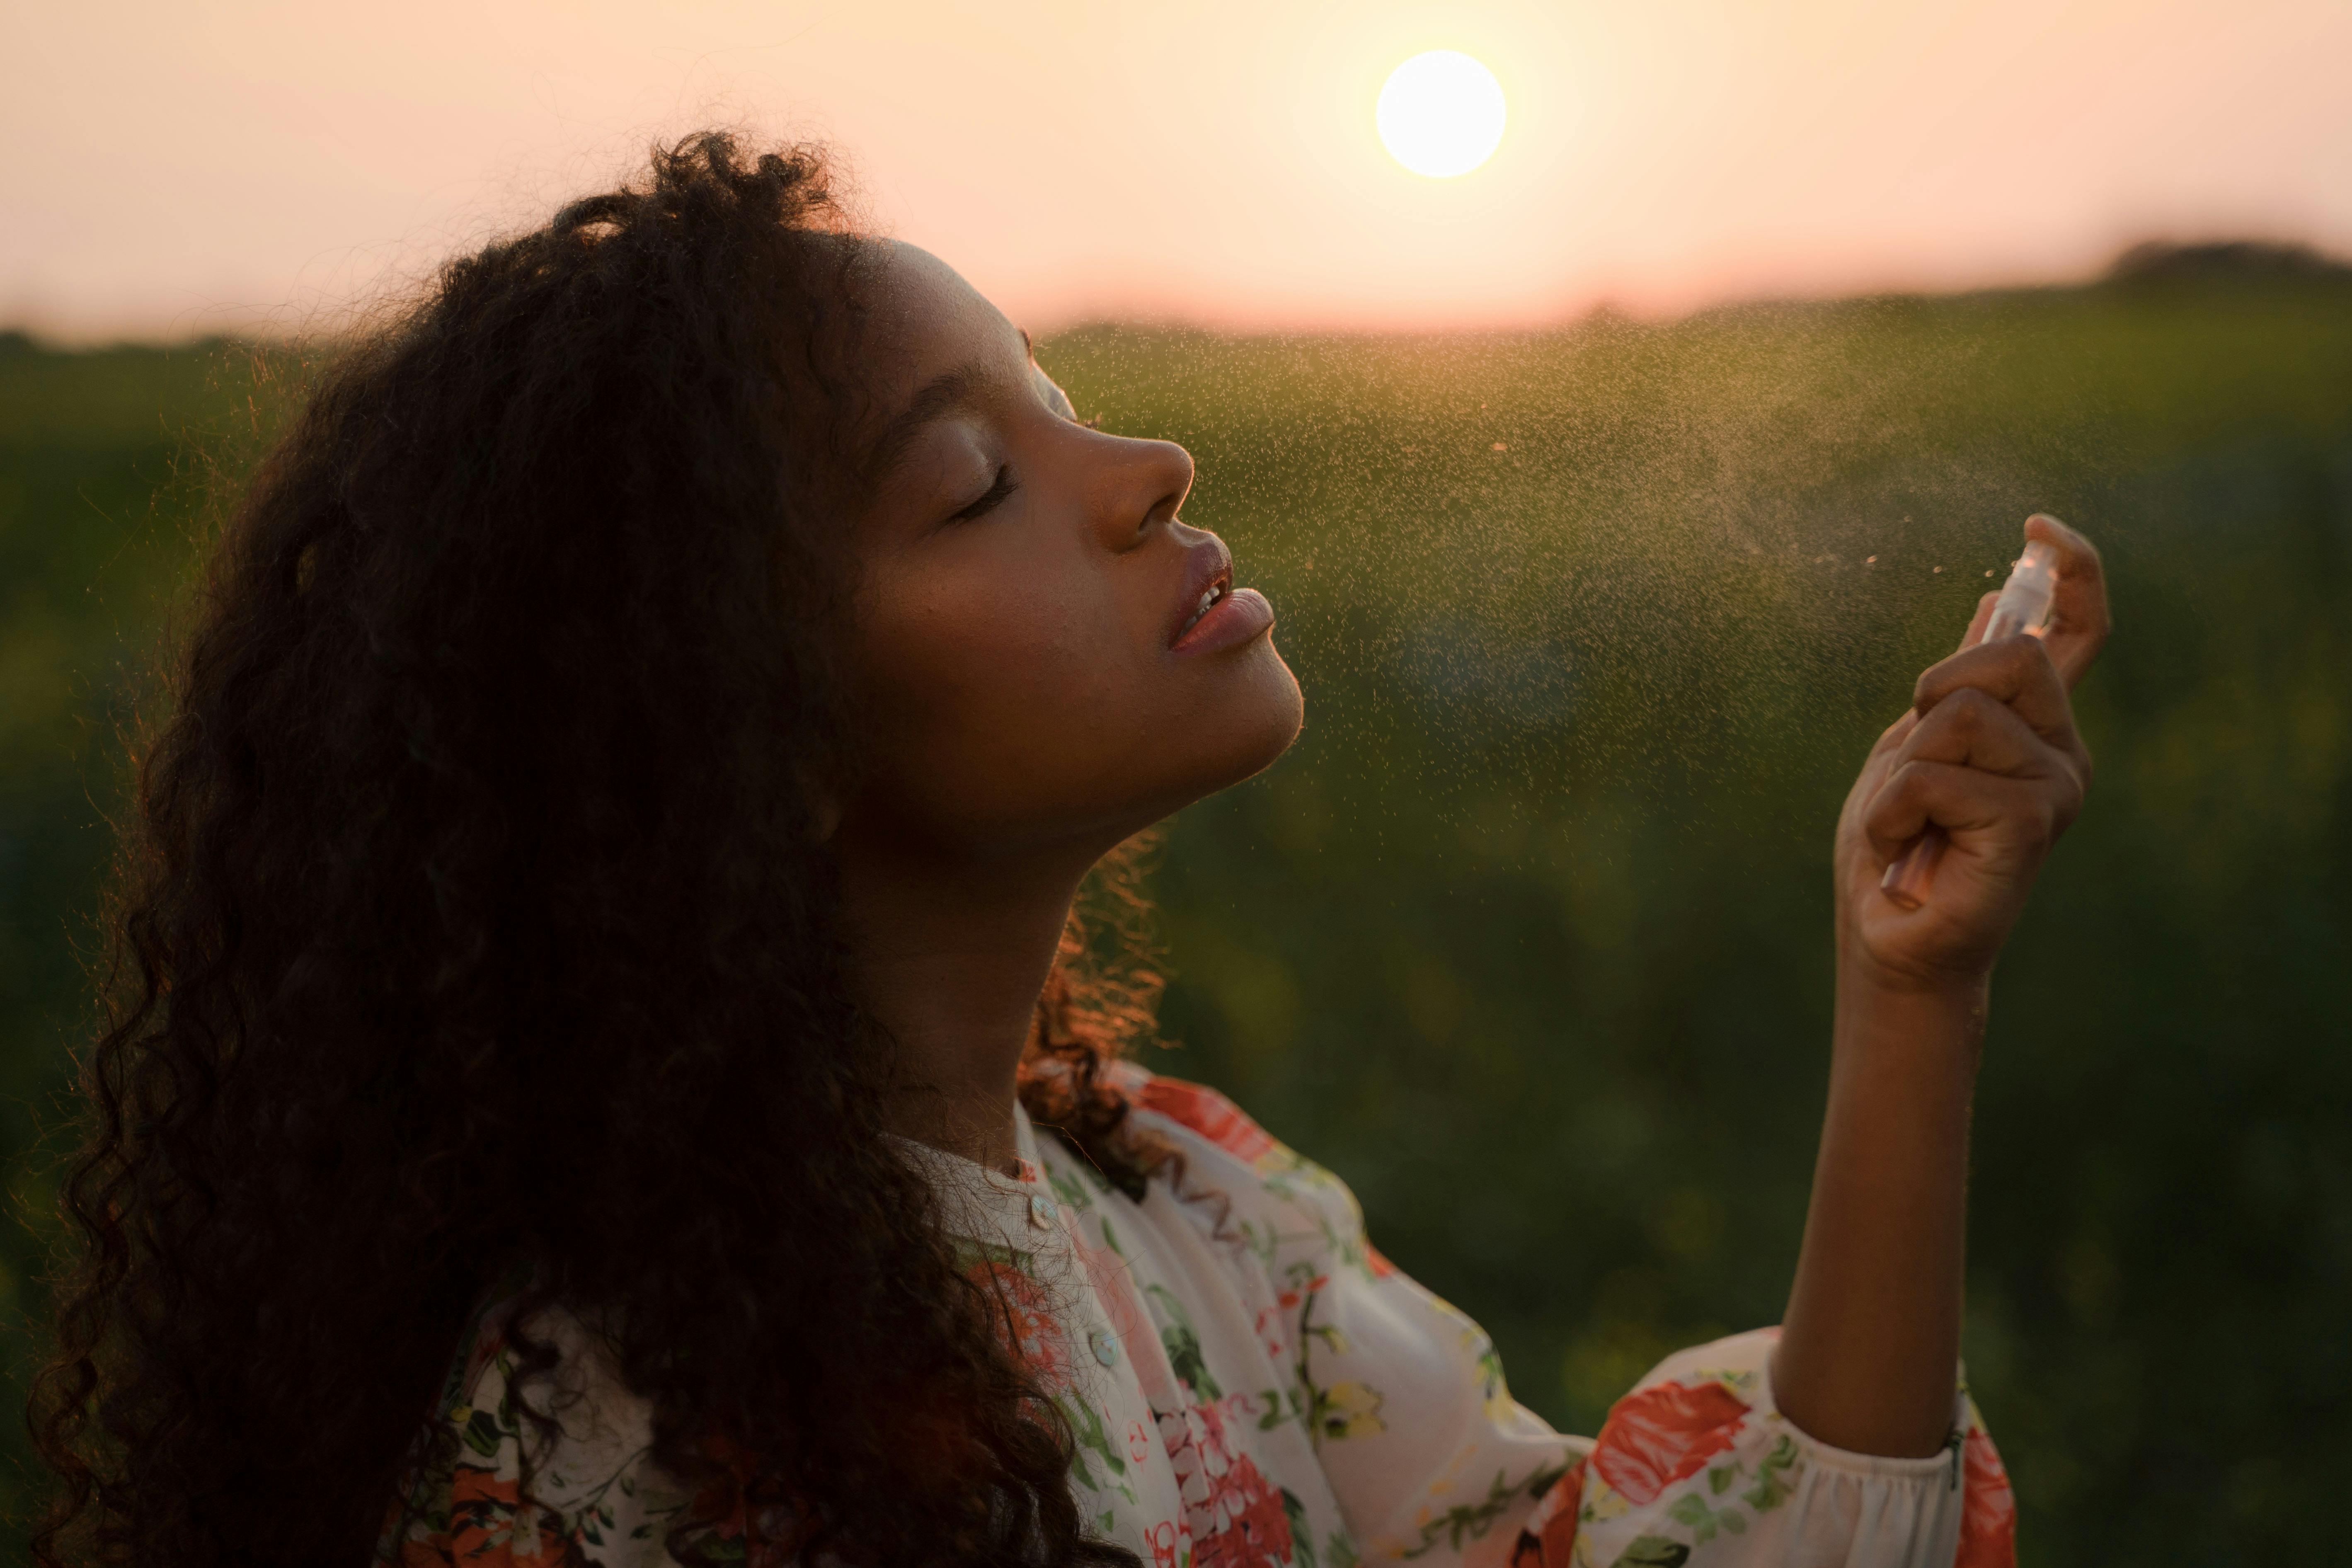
1697,1465
1432,1461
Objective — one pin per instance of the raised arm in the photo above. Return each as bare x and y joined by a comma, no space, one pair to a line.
1870,1344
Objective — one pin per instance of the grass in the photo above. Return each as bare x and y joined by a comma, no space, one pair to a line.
1529,937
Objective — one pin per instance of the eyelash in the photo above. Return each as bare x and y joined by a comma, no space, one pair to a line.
994,498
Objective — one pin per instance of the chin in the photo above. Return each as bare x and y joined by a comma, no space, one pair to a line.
1148,768
1257,718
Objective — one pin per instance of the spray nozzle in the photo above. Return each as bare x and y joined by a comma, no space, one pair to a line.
2026,598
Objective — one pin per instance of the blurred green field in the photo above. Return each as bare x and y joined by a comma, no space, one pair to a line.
1529,938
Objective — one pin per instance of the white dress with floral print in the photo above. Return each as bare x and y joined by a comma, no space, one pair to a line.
1252,1385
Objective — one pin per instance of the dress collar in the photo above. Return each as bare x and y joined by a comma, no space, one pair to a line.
1019,1210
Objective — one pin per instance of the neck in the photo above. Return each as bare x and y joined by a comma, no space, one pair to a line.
950,954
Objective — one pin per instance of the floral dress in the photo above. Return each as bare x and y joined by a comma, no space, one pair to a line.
1252,1385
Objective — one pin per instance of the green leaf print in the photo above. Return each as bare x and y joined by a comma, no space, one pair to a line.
1302,1542
1087,1426
970,1254
1652,1552
1490,1374
1338,1551
1721,1478
1350,1409
1183,1344
483,1434
1069,1189
1468,1521
1333,1340
1772,1488
1691,1508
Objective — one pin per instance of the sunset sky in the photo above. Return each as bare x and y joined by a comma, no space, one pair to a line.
179,166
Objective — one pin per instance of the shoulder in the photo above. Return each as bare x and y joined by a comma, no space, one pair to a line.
1269,1187
1198,1123
1199,1110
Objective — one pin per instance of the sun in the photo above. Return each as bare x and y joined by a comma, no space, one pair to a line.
1441,113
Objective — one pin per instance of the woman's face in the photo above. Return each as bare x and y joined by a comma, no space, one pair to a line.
1030,671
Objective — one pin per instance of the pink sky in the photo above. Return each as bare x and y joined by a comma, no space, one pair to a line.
177,165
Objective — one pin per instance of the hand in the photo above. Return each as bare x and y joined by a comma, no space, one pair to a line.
1988,753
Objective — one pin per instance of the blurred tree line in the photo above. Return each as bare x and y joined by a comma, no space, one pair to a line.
1530,937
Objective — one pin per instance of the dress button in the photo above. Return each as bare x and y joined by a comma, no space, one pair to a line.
1041,1211
1105,1349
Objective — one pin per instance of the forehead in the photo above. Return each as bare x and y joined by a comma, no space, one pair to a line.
927,321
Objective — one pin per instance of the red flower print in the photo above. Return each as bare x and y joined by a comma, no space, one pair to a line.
1114,1288
1988,1510
1656,1437
489,1527
1234,1515
1210,1114
1549,1538
1031,1330
1212,1421
1297,1294
1380,1267
1162,1538
1273,1331
1248,1525
1139,1442
745,1514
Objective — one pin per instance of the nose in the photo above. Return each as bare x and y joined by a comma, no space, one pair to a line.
1142,485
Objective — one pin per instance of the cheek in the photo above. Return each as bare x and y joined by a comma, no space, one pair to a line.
968,671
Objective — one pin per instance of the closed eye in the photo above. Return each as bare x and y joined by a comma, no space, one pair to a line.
989,500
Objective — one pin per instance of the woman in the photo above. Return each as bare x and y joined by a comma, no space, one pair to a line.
605,1071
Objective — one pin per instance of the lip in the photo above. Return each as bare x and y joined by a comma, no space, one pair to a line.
1240,615
1206,564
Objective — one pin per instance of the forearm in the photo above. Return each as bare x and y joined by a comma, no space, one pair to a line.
1870,1344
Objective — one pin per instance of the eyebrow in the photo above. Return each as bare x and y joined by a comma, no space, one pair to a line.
952,393
944,394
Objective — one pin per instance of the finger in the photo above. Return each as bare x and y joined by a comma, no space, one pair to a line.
1974,729
1880,758
1894,735
2016,671
1960,800
1977,622
2079,622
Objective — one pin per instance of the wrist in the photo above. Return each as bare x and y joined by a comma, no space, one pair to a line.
1860,971
1944,1010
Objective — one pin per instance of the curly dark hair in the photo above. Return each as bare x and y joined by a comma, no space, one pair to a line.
476,912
